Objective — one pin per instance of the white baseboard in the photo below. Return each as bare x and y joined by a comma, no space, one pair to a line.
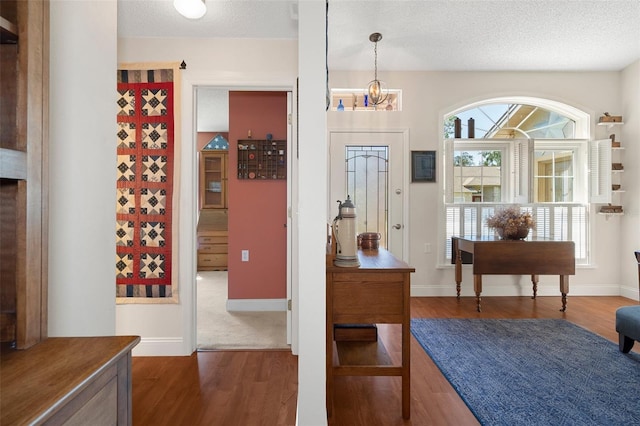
631,293
160,346
257,305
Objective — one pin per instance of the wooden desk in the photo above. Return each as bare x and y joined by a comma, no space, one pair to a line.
375,292
79,380
516,257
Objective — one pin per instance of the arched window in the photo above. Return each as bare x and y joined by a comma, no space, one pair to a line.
519,150
501,120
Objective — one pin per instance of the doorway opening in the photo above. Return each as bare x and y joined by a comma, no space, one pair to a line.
241,290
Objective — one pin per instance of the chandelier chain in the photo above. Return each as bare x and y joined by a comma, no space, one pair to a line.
375,63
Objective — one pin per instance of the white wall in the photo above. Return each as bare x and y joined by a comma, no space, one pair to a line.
167,329
213,110
426,97
630,139
312,206
82,170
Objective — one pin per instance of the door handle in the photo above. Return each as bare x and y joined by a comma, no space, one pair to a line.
397,226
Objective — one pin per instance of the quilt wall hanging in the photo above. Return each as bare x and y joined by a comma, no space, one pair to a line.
146,213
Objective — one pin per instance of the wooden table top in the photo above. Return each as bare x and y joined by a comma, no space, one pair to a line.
35,381
498,239
374,260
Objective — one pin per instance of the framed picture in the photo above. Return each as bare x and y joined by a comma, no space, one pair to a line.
423,166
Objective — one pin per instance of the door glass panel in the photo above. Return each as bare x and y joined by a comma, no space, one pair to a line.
213,181
367,178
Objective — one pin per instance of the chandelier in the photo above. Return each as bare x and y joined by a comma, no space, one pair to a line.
376,90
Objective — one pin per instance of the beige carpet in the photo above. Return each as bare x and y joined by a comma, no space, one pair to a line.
219,329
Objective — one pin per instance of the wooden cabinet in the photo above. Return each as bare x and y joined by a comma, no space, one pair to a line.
376,292
212,240
24,92
213,179
68,380
212,251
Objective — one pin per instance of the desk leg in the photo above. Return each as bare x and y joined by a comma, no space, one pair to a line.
564,289
406,375
477,287
406,348
534,280
329,395
458,272
329,345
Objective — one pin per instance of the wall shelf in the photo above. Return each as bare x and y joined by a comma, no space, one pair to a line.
610,123
23,164
262,159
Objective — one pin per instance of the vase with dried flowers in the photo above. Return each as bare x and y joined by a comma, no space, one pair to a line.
511,223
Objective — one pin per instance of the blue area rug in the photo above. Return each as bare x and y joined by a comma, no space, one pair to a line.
534,371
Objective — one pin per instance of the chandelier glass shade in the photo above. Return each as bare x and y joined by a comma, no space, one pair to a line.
376,90
191,9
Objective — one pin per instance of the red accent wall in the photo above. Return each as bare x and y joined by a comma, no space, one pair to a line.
257,208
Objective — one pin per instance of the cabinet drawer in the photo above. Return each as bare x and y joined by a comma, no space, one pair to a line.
212,248
212,240
212,259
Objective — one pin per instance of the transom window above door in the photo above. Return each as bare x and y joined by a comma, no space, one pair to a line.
354,100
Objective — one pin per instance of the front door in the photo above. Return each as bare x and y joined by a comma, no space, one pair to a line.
370,168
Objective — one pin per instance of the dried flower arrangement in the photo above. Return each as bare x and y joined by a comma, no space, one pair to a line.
511,222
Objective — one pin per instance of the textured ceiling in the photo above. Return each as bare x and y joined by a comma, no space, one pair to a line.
462,35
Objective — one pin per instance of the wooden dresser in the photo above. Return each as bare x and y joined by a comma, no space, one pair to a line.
212,250
376,292
212,240
68,380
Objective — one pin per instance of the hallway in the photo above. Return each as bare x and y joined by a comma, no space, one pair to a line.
219,329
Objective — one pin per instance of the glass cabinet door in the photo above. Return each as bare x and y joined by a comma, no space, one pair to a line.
213,180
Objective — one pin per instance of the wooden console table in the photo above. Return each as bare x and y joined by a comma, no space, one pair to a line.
375,292
74,380
516,257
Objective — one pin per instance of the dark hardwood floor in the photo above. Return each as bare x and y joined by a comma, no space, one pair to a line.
260,387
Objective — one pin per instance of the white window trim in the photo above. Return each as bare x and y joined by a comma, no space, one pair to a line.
515,170
580,165
600,171
582,119
582,132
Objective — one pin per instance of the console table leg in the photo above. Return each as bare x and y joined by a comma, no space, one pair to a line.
534,280
564,289
406,403
458,272
477,287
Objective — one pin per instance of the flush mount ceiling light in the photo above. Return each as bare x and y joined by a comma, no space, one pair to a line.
191,9
377,90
